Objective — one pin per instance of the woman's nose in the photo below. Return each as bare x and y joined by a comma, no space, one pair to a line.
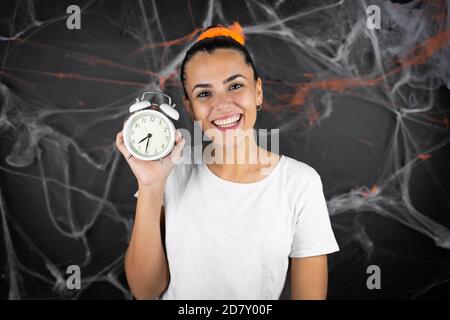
223,101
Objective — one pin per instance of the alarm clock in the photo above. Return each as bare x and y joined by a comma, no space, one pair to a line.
149,134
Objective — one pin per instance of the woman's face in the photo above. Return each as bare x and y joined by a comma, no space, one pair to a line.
222,93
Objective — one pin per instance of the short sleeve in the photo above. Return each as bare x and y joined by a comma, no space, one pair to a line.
313,234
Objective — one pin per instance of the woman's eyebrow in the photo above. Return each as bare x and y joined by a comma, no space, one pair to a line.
234,76
229,79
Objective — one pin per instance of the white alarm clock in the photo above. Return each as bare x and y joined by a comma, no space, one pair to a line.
150,134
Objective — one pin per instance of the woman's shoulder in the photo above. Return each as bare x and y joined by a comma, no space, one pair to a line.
183,171
181,175
298,171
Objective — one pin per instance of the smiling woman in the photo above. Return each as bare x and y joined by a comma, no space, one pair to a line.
224,94
227,230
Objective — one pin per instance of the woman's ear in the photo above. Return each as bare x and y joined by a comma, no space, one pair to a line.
259,92
188,106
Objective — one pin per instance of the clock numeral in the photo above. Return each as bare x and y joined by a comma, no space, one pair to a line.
144,120
159,121
167,138
132,131
136,125
165,129
156,151
152,118
162,146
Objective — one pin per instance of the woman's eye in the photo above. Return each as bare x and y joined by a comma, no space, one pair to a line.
236,86
203,94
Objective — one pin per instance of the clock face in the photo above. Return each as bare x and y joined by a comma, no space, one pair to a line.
149,135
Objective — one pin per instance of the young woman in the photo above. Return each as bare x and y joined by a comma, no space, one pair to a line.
227,229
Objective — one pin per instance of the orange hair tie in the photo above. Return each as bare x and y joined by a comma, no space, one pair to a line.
234,31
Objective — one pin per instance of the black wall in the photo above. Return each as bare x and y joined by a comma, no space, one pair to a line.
368,109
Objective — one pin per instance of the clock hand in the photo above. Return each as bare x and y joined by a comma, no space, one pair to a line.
148,136
148,139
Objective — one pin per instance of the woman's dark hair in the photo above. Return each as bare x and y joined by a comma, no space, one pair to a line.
209,45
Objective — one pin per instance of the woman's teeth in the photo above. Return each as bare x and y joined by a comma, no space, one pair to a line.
223,123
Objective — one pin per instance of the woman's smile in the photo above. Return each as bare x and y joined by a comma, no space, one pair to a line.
229,122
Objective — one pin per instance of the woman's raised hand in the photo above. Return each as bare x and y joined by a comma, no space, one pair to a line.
149,173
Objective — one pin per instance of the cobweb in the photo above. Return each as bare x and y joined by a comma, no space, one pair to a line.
312,55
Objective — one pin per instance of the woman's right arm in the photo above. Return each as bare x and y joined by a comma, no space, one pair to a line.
146,266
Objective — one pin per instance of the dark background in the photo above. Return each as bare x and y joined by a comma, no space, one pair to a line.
368,109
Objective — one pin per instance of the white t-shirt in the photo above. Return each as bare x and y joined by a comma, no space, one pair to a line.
228,240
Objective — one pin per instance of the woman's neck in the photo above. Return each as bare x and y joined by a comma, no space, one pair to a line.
244,162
